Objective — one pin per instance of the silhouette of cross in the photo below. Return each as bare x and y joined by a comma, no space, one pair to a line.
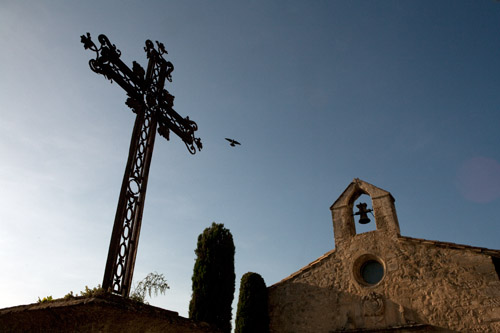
153,106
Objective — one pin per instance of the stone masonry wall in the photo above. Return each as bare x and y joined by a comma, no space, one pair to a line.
448,286
103,313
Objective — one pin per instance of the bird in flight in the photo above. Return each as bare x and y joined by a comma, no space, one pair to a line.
233,142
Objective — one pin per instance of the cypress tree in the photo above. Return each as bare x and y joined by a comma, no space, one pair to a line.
252,315
213,278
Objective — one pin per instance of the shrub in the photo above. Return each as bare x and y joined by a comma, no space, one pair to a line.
252,315
45,299
213,278
96,291
152,282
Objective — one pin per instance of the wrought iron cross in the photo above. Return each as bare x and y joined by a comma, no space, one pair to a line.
153,106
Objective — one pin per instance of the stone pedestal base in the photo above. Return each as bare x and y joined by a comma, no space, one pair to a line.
104,313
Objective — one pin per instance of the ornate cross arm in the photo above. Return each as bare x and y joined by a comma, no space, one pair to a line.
108,63
168,120
183,127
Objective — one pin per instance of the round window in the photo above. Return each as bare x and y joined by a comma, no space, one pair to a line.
368,270
372,272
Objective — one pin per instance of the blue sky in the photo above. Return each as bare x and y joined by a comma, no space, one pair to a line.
402,94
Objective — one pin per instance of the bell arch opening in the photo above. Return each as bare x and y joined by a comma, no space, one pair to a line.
362,210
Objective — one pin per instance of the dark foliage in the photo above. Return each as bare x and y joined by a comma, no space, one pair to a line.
252,315
213,278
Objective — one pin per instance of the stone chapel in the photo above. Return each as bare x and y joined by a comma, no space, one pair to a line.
380,281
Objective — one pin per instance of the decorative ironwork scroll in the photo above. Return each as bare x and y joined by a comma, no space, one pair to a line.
154,108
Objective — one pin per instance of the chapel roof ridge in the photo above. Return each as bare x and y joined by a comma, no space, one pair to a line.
451,245
305,268
360,184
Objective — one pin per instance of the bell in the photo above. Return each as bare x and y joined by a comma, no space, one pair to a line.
363,213
363,218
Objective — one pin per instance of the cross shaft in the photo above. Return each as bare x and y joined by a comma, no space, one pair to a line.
153,106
